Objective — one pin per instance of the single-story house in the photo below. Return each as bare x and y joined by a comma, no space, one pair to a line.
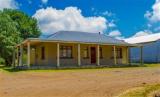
73,48
151,48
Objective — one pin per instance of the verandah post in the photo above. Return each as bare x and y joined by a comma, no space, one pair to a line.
98,62
115,55
14,58
21,55
58,61
28,54
17,64
79,55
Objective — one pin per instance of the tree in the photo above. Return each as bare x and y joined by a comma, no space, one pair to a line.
15,26
9,37
26,25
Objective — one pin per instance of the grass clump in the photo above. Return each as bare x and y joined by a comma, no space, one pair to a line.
145,91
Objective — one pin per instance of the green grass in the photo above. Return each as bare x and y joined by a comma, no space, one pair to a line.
144,91
11,69
152,65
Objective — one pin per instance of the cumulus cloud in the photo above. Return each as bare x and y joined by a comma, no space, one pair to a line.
51,20
8,4
116,34
112,24
44,1
142,33
154,15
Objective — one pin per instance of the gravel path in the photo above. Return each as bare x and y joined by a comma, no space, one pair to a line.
76,83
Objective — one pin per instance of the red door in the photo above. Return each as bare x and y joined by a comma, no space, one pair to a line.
93,55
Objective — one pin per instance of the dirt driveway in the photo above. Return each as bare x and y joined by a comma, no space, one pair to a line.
76,83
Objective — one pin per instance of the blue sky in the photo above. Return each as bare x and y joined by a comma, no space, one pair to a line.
127,17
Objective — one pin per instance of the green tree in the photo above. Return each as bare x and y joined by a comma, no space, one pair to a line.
26,25
15,26
9,37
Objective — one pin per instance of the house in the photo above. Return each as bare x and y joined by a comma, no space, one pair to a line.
73,48
151,48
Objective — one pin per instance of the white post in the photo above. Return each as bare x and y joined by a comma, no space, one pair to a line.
28,54
17,64
98,62
128,55
13,61
115,55
58,62
21,55
79,54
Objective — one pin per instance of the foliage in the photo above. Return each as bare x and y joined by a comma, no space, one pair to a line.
2,61
15,26
26,25
9,36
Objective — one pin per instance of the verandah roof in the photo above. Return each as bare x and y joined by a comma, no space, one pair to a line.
81,37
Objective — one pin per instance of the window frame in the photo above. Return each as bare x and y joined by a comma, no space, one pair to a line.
119,53
67,50
87,50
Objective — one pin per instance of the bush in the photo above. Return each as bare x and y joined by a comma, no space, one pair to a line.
2,61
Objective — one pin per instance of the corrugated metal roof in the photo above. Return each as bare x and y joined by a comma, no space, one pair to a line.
75,36
143,39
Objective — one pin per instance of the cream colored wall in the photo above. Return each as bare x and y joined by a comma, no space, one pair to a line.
107,55
125,55
124,59
51,53
70,61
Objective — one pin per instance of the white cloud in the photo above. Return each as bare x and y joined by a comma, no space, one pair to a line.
44,1
111,24
8,4
51,20
154,16
116,34
142,33
107,13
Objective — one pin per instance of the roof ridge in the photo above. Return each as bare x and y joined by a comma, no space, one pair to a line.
51,34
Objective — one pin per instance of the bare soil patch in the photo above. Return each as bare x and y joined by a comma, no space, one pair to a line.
76,83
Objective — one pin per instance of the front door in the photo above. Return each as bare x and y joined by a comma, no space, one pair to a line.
93,55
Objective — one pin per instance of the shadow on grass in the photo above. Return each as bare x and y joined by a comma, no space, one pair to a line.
12,69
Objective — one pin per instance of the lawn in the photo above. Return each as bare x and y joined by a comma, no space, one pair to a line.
144,91
101,82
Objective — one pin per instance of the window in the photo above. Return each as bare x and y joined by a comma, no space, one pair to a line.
100,51
66,51
42,53
86,53
118,52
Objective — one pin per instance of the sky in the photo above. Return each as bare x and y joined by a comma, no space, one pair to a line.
117,18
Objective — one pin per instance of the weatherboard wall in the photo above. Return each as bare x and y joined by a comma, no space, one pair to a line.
51,55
